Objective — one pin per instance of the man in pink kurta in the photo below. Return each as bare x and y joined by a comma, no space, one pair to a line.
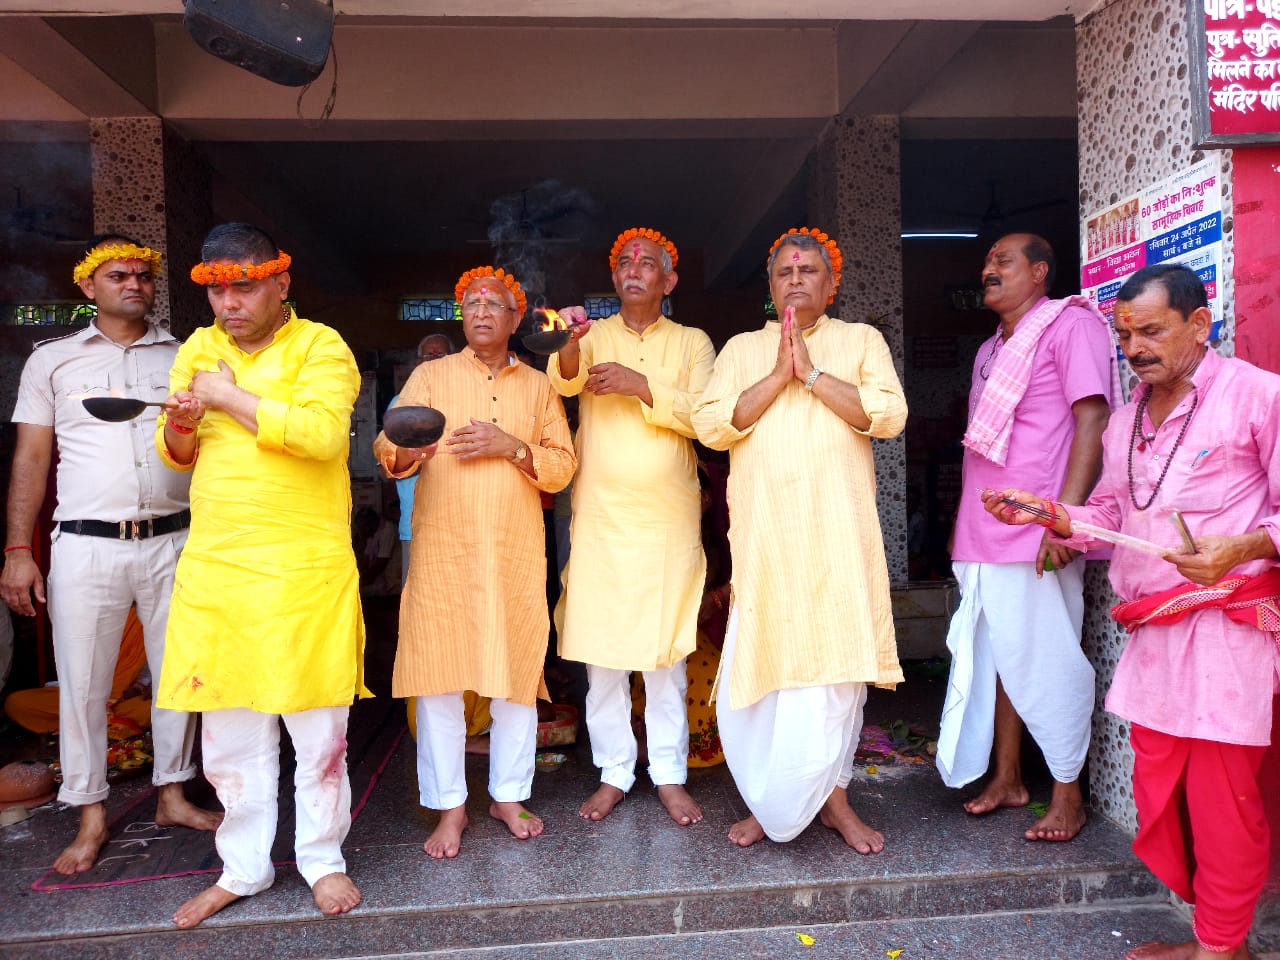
1041,393
1202,436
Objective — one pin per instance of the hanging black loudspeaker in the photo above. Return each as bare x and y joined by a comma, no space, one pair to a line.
285,41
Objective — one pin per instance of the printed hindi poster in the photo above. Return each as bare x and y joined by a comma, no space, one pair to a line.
1177,220
1235,71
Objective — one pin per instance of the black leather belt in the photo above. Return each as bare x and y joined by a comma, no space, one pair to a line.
128,529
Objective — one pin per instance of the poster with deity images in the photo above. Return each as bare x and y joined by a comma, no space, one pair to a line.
1176,220
1235,71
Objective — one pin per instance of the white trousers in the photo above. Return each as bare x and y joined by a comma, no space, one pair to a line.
1026,631
666,722
242,761
789,750
442,742
92,583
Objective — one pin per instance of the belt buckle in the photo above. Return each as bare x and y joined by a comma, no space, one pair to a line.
133,530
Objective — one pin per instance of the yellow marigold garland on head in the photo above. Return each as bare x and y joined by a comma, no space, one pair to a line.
114,251
207,273
497,273
644,233
833,251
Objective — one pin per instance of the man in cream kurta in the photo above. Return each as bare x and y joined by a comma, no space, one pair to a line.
634,579
473,615
796,404
265,625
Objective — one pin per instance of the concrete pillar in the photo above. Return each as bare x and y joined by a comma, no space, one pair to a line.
855,195
149,185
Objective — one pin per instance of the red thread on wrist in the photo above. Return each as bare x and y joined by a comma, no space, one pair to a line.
1052,521
19,547
177,428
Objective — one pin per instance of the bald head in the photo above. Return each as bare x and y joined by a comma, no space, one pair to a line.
434,346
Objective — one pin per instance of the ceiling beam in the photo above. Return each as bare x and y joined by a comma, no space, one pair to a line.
780,10
922,51
777,164
54,61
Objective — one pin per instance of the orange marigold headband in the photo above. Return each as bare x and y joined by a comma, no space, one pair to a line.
497,273
207,273
114,251
644,233
833,251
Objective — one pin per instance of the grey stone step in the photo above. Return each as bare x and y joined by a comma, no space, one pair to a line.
635,875
1101,933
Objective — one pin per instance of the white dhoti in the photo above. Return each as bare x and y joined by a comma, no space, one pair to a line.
93,581
242,761
788,751
666,722
442,742
1026,631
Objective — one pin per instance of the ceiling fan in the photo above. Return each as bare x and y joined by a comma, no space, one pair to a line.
544,214
993,217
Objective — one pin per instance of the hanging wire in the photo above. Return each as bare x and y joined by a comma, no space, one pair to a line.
327,110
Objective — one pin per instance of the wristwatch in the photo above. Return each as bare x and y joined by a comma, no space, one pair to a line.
521,450
812,378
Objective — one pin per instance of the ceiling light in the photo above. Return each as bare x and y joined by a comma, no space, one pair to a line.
940,235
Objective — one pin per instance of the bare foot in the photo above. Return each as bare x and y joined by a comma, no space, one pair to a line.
91,838
1064,818
1184,951
446,839
601,803
173,809
522,824
837,815
746,832
999,793
203,906
334,893
683,809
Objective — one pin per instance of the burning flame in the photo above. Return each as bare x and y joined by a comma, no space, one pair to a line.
552,321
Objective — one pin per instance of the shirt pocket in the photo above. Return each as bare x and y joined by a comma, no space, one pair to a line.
70,390
1194,483
154,386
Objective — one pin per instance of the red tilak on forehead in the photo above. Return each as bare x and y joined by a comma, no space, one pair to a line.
483,291
795,256
635,251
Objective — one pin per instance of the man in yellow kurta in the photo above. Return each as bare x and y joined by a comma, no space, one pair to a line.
796,404
265,622
633,584
473,614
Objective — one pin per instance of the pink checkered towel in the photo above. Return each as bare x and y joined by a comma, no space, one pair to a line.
992,420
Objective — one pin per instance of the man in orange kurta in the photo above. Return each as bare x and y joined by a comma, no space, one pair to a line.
473,614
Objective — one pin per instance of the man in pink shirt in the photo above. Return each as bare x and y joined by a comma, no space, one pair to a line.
1041,395
1197,677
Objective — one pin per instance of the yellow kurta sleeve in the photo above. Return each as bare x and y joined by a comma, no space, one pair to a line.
553,458
879,388
315,422
712,417
673,405
572,387
179,379
416,393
